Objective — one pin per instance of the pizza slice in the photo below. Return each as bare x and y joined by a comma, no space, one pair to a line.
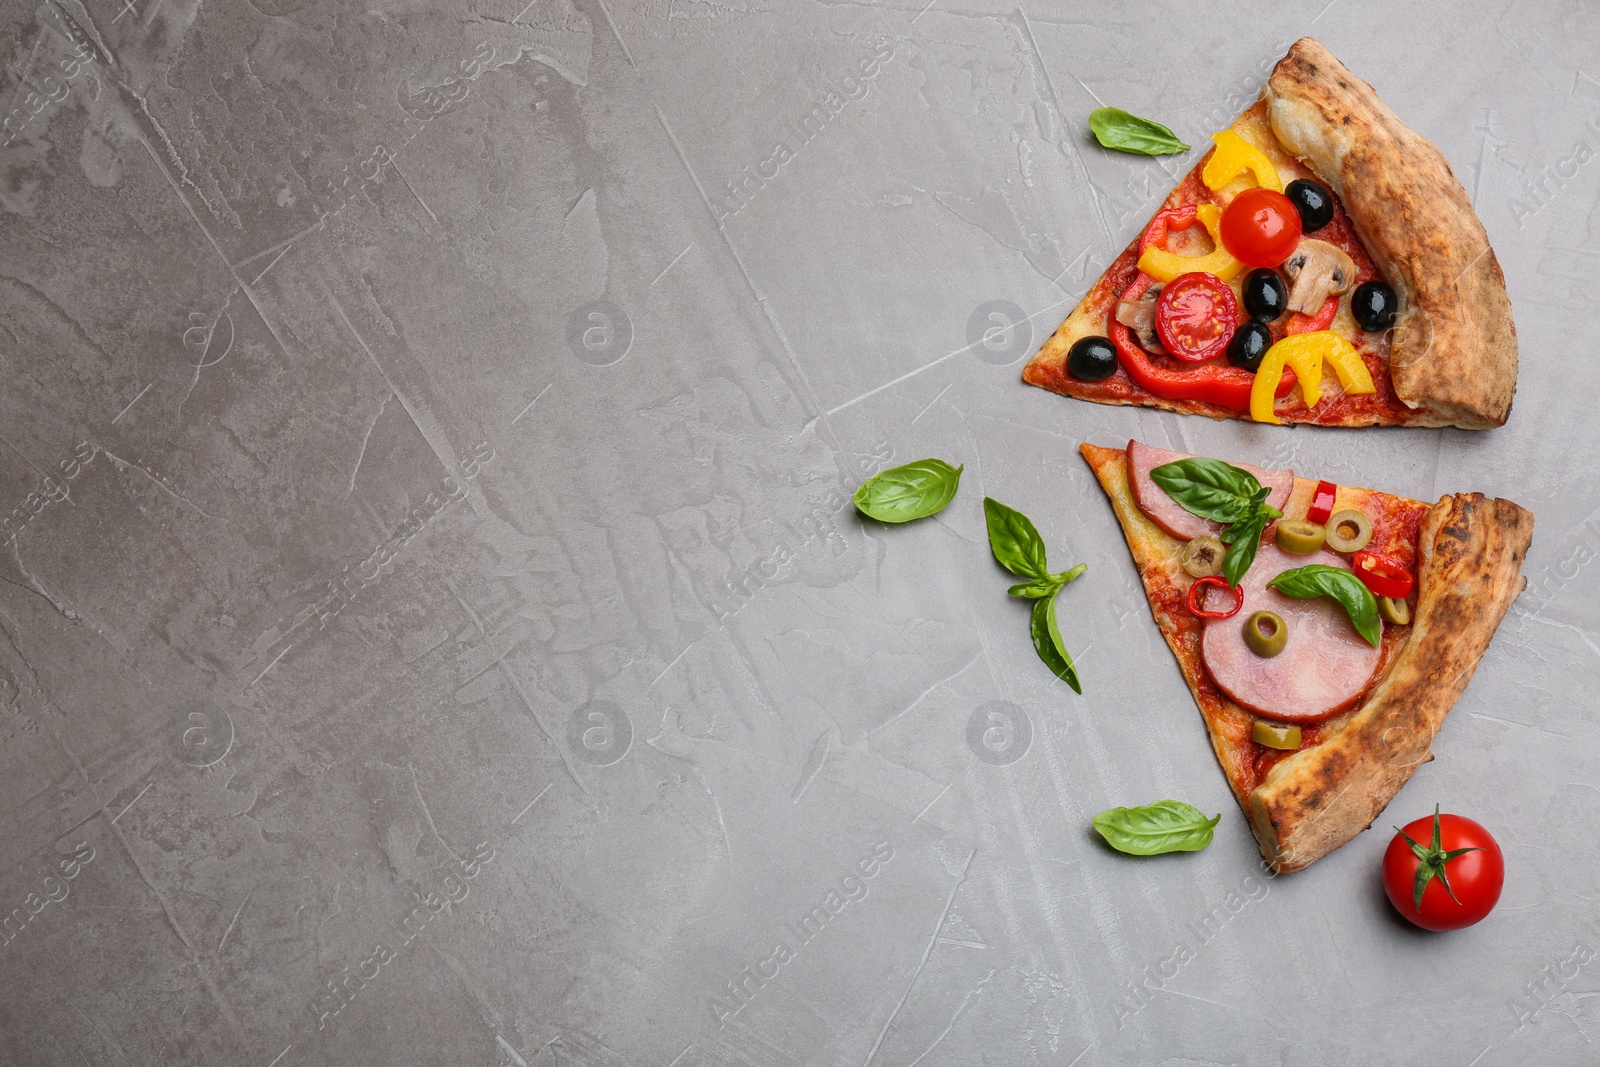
1319,233
1318,712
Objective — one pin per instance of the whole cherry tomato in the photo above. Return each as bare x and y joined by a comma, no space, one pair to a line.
1443,872
1260,227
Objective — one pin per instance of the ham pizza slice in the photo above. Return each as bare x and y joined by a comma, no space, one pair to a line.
1324,630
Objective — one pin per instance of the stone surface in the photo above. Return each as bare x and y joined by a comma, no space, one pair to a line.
435,630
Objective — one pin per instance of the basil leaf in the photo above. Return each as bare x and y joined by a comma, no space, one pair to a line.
1243,538
1319,579
1115,128
1047,642
1165,826
1257,511
911,491
1209,488
1019,549
1015,543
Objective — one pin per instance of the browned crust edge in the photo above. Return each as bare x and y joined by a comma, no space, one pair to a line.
1471,550
1454,352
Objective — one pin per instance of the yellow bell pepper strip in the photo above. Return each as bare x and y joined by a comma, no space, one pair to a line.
1305,353
1234,156
1347,364
1164,266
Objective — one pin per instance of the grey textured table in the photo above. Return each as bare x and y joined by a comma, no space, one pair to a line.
435,630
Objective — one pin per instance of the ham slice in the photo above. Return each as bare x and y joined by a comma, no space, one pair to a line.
1166,513
1324,667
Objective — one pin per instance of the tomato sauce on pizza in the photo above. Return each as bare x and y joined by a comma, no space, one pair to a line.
1388,529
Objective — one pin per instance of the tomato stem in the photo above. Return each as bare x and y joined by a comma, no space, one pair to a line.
1431,862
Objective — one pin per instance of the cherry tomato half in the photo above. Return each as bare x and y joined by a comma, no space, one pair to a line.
1443,872
1260,227
1196,315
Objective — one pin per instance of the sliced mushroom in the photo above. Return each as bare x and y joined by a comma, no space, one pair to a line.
1140,316
1319,270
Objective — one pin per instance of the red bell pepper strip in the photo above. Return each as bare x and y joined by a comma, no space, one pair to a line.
1167,219
1384,575
1211,383
1299,323
1322,503
1197,595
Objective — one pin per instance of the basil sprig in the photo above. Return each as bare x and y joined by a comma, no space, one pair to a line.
1222,493
910,491
1165,826
1244,537
1319,579
1018,548
1115,128
1040,588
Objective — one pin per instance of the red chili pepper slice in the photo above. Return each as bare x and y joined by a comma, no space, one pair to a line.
1299,323
1196,315
1212,383
1166,220
1197,594
1322,503
1384,575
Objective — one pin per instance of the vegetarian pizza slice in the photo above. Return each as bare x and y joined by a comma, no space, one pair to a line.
1324,630
1319,233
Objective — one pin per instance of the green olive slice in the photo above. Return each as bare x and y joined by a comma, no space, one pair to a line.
1395,609
1265,633
1202,557
1275,734
1299,536
1349,530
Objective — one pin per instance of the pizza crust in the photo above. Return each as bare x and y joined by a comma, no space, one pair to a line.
1469,571
1453,355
